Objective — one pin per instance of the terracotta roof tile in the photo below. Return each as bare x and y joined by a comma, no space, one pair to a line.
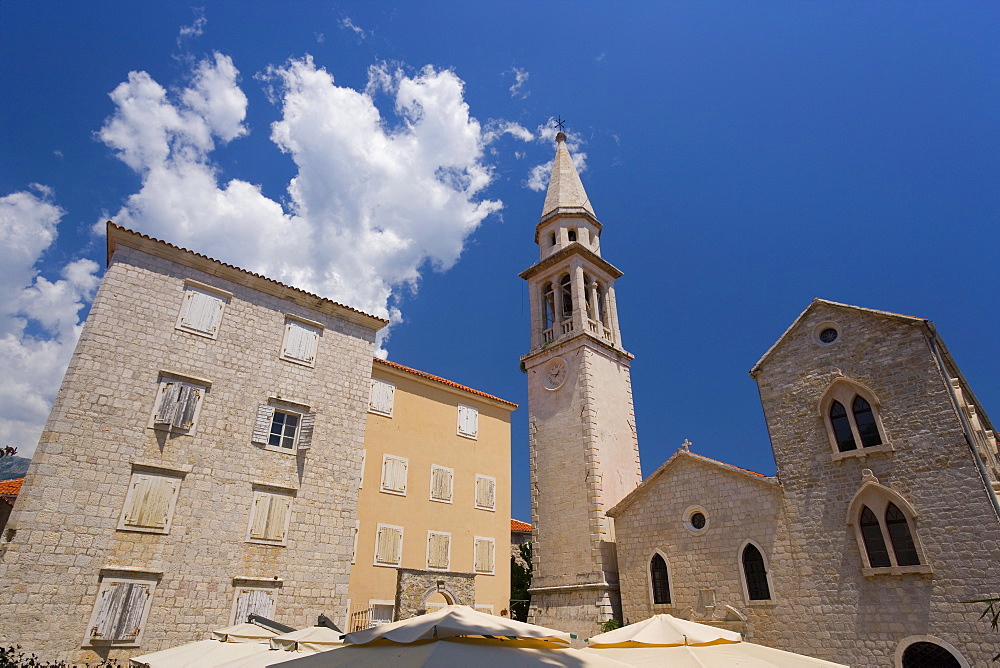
518,525
10,487
443,381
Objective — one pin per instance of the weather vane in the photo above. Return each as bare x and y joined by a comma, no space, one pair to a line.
559,123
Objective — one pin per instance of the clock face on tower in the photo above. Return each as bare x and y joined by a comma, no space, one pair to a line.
555,373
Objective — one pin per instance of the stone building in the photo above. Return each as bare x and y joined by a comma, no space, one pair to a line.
200,461
434,501
882,522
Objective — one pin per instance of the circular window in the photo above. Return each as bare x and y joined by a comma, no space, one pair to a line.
826,333
696,520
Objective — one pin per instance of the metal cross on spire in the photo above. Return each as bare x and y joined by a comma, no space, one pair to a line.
559,122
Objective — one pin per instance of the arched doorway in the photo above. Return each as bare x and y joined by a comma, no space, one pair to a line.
928,652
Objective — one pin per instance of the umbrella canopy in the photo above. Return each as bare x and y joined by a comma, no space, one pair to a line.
245,632
199,654
741,655
664,631
478,652
455,620
313,639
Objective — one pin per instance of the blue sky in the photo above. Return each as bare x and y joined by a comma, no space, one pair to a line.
743,158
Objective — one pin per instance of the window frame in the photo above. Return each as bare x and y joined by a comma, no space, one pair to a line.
845,391
105,585
307,325
272,493
472,435
130,497
165,380
222,297
406,475
451,484
392,398
475,500
877,497
743,575
649,580
402,535
427,559
493,555
264,423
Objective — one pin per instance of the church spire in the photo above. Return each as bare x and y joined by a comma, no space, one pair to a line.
565,193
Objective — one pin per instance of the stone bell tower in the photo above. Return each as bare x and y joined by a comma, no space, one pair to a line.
583,447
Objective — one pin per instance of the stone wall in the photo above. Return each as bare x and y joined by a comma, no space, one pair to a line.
414,587
67,514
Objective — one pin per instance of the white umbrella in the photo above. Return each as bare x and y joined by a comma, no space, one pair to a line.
664,631
478,652
245,632
199,654
290,646
455,620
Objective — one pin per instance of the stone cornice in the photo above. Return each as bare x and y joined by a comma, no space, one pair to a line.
575,248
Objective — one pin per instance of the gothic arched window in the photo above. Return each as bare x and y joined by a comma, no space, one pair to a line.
884,525
659,579
899,536
871,532
755,573
852,419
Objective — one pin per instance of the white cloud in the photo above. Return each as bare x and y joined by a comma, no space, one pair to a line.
197,27
320,37
520,78
538,176
496,128
39,318
369,205
348,24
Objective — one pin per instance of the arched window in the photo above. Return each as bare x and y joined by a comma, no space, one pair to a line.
865,420
899,536
871,532
852,419
567,297
549,308
572,234
756,574
842,427
884,526
925,654
659,579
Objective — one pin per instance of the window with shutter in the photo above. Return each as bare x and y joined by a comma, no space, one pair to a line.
253,602
468,421
269,518
486,487
484,555
438,550
178,404
388,545
354,550
441,483
120,612
201,312
300,342
149,503
381,399
394,474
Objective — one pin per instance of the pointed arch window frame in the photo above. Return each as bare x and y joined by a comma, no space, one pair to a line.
649,580
743,574
845,392
877,498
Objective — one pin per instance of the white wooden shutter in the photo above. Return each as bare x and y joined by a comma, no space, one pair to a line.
484,555
149,503
254,602
354,550
262,425
468,421
300,341
306,423
277,518
441,483
187,404
168,403
437,549
394,474
485,492
120,614
388,545
202,311
381,398
258,523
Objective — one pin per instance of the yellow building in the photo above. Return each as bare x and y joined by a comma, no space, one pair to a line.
434,497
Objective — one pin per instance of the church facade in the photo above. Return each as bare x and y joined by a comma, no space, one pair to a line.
881,524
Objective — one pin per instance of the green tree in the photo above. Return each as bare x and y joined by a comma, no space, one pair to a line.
520,582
